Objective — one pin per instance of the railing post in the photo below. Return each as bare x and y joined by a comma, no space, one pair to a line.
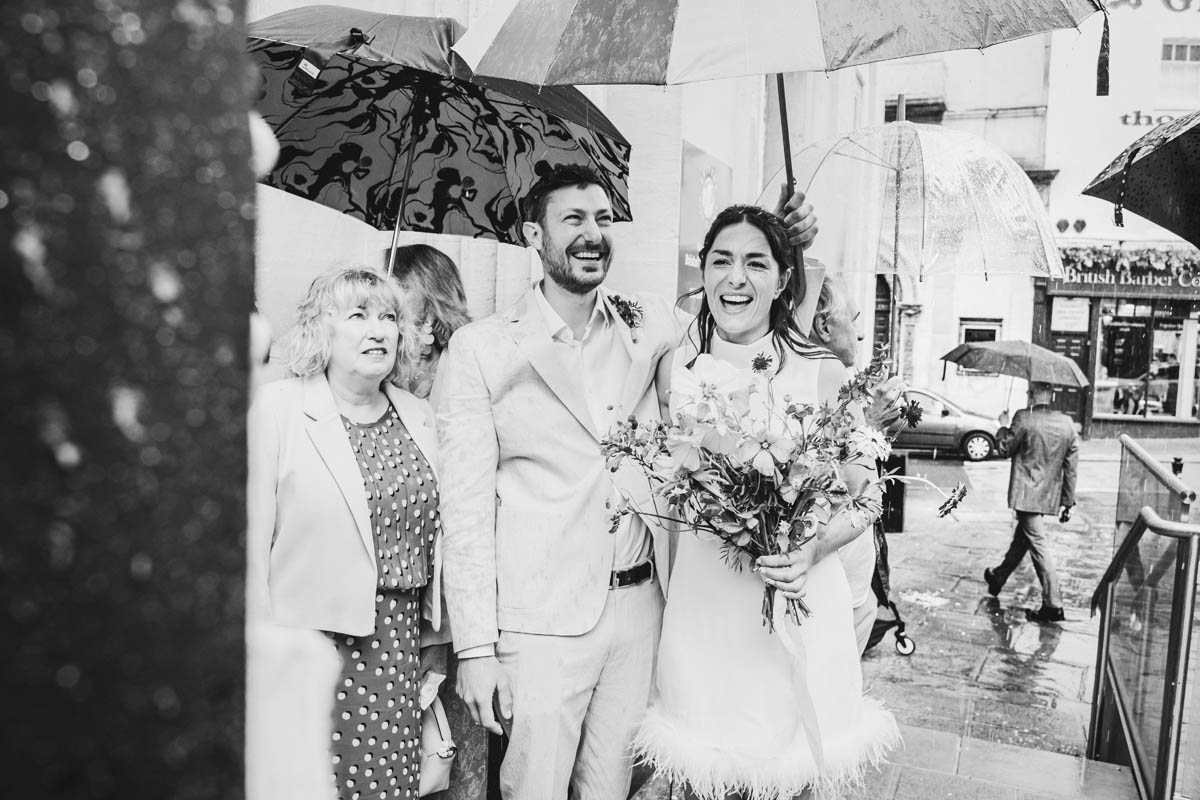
1099,693
1178,645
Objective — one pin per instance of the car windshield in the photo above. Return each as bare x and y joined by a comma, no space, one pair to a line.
930,401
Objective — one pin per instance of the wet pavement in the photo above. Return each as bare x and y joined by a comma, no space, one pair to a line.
980,669
991,705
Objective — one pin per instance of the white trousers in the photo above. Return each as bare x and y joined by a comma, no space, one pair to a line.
577,701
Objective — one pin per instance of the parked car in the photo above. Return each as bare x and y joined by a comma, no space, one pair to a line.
948,426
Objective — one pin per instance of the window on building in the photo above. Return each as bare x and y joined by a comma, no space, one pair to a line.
1179,80
1148,357
971,331
979,330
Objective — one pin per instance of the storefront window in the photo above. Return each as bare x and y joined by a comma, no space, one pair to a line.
1148,358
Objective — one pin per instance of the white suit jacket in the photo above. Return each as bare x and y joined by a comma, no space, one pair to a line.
526,495
310,547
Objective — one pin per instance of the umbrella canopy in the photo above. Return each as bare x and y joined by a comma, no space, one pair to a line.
1019,359
374,113
945,201
1158,177
680,41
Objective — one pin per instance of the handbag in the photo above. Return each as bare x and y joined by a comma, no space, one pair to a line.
437,749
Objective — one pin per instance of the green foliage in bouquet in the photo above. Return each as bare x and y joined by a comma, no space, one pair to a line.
762,473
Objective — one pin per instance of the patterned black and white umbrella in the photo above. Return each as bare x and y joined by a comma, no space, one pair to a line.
378,119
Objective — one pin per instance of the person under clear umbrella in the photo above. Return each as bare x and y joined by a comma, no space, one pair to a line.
1045,457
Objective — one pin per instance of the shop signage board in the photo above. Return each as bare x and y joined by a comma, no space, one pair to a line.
1106,272
1070,315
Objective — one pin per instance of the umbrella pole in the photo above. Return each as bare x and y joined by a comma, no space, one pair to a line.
408,159
781,91
894,308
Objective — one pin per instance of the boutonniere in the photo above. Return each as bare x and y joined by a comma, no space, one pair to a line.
629,311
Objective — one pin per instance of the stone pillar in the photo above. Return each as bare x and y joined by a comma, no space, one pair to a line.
126,281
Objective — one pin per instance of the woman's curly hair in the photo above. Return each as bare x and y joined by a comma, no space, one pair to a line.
308,344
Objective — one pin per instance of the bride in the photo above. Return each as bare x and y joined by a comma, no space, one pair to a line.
725,719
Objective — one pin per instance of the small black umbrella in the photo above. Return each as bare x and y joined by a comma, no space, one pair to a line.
1158,177
377,119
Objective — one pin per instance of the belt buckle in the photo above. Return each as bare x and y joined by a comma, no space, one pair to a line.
613,580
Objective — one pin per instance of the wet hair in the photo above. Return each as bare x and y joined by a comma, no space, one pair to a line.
559,176
431,281
308,345
786,334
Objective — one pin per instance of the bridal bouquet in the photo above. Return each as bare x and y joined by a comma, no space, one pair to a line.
758,470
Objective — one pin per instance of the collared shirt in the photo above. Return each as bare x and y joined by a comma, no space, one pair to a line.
600,361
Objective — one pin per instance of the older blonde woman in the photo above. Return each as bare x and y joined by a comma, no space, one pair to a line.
344,517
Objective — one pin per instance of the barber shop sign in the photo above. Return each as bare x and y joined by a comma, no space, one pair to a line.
1146,271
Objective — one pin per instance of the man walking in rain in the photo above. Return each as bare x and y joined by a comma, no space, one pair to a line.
1045,456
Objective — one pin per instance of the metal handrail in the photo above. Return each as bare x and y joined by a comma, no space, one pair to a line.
1183,492
1147,519
1178,643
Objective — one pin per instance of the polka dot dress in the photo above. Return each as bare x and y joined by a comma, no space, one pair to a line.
376,722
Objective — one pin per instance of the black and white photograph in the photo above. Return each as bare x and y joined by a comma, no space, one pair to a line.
599,399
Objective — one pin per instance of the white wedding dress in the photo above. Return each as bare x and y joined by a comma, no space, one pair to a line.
724,714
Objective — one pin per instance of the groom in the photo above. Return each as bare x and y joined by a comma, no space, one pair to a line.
555,612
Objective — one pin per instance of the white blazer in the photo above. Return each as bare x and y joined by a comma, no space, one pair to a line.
310,547
525,490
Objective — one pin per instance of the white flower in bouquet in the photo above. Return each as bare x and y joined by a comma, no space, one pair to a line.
762,474
871,442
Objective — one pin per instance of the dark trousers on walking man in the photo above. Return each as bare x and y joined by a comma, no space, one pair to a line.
1045,457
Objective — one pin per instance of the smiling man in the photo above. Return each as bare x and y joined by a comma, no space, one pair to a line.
555,615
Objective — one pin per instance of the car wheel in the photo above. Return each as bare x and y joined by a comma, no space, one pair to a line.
977,446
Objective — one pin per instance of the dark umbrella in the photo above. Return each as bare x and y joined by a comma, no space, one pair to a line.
1020,360
377,119
1158,177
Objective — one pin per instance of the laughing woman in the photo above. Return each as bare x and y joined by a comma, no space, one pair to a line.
725,716
343,513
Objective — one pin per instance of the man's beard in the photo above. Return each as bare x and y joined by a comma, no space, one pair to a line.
557,265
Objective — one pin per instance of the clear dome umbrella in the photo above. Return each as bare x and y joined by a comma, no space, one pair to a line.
930,200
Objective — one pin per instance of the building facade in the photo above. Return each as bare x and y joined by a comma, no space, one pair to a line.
1126,309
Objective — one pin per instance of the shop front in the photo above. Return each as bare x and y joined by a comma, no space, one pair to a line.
1130,319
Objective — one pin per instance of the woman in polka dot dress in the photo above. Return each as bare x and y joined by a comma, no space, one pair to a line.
344,521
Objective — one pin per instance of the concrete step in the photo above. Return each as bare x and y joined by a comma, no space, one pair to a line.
934,765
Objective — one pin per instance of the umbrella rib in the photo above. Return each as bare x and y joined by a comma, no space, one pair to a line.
558,42
978,226
880,161
924,184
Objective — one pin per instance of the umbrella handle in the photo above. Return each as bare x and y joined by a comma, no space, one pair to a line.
781,91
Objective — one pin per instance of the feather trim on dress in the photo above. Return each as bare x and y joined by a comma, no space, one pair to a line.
714,771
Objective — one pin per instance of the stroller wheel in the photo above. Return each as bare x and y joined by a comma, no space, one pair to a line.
904,645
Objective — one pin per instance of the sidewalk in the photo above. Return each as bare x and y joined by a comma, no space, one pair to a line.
993,706
981,671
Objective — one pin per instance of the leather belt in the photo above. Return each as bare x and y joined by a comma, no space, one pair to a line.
632,576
